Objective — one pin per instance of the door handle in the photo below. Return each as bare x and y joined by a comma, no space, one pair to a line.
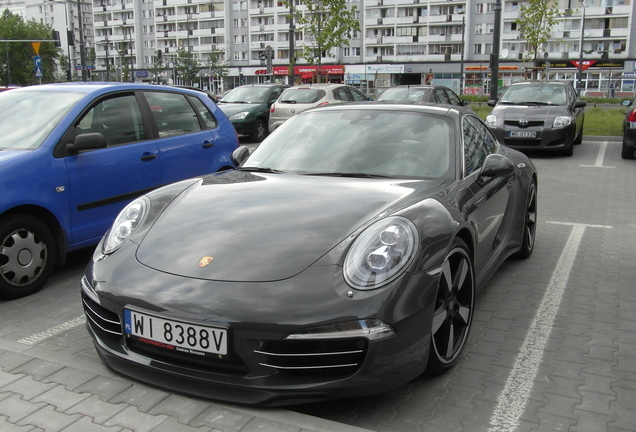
148,157
207,144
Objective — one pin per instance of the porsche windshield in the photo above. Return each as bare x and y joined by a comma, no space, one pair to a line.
358,143
28,116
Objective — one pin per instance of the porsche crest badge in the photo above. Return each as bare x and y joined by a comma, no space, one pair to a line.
205,261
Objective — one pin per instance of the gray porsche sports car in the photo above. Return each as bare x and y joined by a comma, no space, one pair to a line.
341,258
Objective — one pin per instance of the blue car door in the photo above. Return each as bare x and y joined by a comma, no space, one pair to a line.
186,149
103,181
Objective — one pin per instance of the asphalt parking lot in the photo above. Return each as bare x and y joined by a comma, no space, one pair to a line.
553,343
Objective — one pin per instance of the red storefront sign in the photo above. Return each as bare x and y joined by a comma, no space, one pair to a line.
309,69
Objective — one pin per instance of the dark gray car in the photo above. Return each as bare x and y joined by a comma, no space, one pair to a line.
538,115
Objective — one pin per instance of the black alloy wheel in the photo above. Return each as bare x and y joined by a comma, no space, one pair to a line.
529,223
454,306
27,255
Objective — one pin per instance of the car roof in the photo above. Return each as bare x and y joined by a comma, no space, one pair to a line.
430,108
539,82
100,87
318,85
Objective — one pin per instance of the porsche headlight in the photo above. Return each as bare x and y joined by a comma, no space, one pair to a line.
126,223
239,116
491,120
380,253
562,121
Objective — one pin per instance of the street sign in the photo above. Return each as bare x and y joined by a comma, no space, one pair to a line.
38,71
37,61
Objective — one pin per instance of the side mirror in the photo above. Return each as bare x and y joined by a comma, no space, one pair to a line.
492,102
494,166
626,102
465,102
240,155
87,141
580,104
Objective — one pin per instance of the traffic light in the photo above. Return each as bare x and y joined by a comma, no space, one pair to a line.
242,78
56,38
71,37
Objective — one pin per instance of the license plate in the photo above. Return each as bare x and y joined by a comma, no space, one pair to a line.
522,134
175,335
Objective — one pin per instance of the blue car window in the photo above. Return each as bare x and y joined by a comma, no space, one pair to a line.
172,113
204,112
118,119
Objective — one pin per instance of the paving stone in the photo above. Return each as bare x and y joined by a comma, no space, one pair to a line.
588,422
265,425
8,378
226,419
182,408
104,387
38,368
27,387
5,426
172,425
131,418
10,360
143,397
49,419
61,398
16,408
71,378
97,409
86,425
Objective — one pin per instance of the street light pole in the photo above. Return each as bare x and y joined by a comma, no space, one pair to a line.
291,44
461,67
82,46
494,57
580,77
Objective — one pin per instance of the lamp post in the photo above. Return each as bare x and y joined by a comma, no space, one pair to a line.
461,66
580,77
81,41
494,57
292,29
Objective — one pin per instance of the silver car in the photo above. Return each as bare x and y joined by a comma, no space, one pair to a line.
301,97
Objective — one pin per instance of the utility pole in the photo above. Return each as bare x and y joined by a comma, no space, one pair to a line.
292,30
81,41
494,57
461,67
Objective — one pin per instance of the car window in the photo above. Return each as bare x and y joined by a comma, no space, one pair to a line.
340,93
118,119
172,113
276,92
452,97
204,113
440,94
357,95
478,143
302,95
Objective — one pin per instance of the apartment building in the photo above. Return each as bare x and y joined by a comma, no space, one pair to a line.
400,41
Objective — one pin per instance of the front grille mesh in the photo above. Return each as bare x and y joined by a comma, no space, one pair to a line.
102,321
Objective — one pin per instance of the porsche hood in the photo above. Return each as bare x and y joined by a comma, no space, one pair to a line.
261,227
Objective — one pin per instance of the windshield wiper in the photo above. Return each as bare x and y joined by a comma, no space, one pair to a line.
348,174
261,169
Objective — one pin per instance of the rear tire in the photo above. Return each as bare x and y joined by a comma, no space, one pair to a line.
259,131
27,255
529,223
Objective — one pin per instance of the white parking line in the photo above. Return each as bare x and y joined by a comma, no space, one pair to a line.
513,399
38,337
600,157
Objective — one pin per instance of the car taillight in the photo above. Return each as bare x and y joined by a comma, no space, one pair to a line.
323,103
272,109
631,117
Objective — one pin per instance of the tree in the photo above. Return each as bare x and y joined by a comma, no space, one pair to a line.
217,69
327,24
20,67
536,20
187,66
157,66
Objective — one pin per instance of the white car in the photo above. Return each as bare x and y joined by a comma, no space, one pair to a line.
298,98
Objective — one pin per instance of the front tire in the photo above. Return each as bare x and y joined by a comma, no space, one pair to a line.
27,255
453,312
627,152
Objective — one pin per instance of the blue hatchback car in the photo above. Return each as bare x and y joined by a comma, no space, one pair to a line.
73,155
